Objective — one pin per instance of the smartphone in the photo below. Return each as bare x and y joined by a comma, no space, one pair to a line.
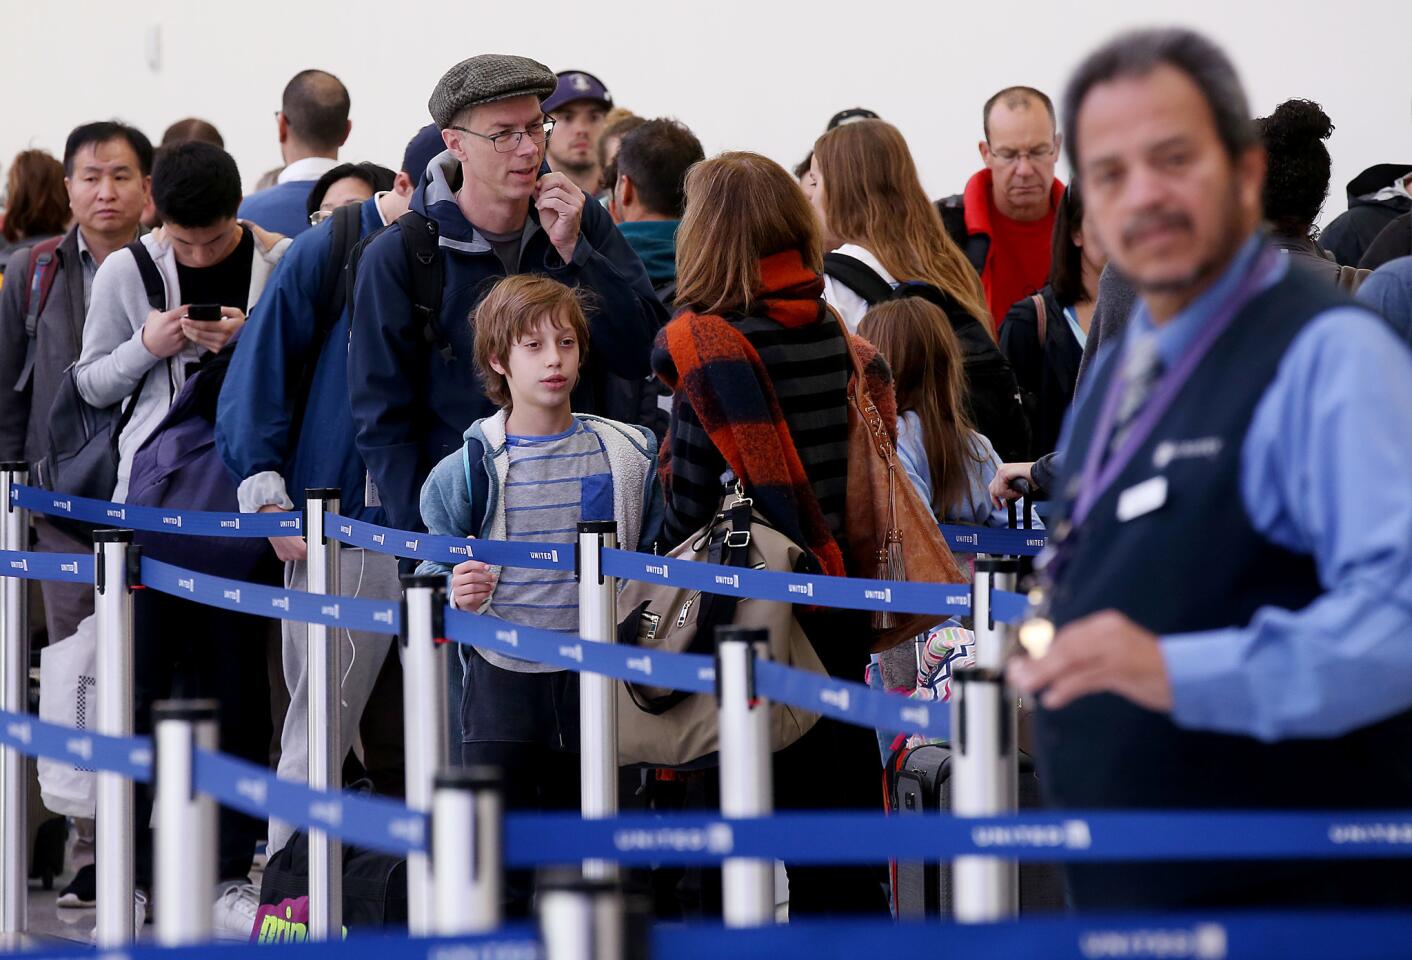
203,311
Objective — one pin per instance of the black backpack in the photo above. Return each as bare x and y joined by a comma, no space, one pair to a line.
374,884
426,274
993,395
631,401
82,456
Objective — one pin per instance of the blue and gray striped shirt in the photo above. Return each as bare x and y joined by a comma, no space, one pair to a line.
552,483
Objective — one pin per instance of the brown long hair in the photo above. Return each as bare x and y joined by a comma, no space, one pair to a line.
874,198
37,201
740,208
916,339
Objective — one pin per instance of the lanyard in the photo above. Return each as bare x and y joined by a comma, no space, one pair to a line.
1072,315
1098,476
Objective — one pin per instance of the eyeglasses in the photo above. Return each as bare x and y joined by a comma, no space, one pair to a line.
319,216
510,140
1034,155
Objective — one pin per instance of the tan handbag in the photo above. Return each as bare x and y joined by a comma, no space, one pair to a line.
670,728
891,533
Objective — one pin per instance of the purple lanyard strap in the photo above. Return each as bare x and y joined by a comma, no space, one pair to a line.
1097,475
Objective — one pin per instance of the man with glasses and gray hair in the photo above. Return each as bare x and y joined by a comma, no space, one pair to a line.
1004,219
487,207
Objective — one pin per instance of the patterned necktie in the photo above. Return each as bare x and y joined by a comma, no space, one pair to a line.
1142,368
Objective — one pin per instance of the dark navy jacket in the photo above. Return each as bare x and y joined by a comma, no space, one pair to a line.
411,405
1194,563
257,414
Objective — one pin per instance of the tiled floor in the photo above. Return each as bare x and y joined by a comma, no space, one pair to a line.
48,923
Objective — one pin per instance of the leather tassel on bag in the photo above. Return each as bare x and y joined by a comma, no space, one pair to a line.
892,561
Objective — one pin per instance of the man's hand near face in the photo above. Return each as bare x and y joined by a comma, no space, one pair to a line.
560,206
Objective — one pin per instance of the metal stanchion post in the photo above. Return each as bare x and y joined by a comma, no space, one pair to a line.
983,762
581,918
14,697
114,565
992,647
185,855
325,676
992,574
747,886
598,695
466,842
424,724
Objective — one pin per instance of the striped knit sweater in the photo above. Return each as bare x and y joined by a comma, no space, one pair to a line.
808,367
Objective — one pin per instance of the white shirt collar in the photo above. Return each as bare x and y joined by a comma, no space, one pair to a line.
310,168
377,205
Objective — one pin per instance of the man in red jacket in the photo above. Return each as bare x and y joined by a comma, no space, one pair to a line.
1004,219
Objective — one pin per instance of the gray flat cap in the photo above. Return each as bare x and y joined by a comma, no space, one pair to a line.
484,79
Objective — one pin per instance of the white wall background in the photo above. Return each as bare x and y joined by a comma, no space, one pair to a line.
744,74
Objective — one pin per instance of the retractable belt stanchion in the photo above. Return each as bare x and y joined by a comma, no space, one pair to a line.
14,697
747,886
581,918
115,567
992,645
185,856
424,705
466,841
598,695
984,778
324,676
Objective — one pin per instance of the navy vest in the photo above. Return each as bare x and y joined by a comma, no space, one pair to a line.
1194,564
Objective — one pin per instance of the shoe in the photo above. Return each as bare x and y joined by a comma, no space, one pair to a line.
82,891
140,917
233,915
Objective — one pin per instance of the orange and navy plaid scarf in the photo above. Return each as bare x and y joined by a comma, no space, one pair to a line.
722,376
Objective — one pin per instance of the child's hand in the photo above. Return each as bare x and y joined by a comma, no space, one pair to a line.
471,584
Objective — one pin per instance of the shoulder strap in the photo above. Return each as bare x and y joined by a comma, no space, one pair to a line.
727,545
41,280
477,483
151,277
36,295
667,293
419,237
857,276
344,227
1040,316
976,246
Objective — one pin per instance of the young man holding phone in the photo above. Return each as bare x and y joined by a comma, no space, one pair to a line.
213,267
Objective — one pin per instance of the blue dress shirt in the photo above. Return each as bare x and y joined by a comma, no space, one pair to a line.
1326,470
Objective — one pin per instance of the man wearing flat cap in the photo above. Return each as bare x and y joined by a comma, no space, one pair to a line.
486,208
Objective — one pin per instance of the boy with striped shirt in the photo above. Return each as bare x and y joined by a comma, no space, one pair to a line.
531,472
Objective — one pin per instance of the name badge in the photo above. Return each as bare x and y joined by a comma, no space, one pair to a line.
1142,499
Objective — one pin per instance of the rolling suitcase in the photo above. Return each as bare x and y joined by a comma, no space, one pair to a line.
918,781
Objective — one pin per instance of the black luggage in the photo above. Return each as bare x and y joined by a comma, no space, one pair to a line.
919,780
374,884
